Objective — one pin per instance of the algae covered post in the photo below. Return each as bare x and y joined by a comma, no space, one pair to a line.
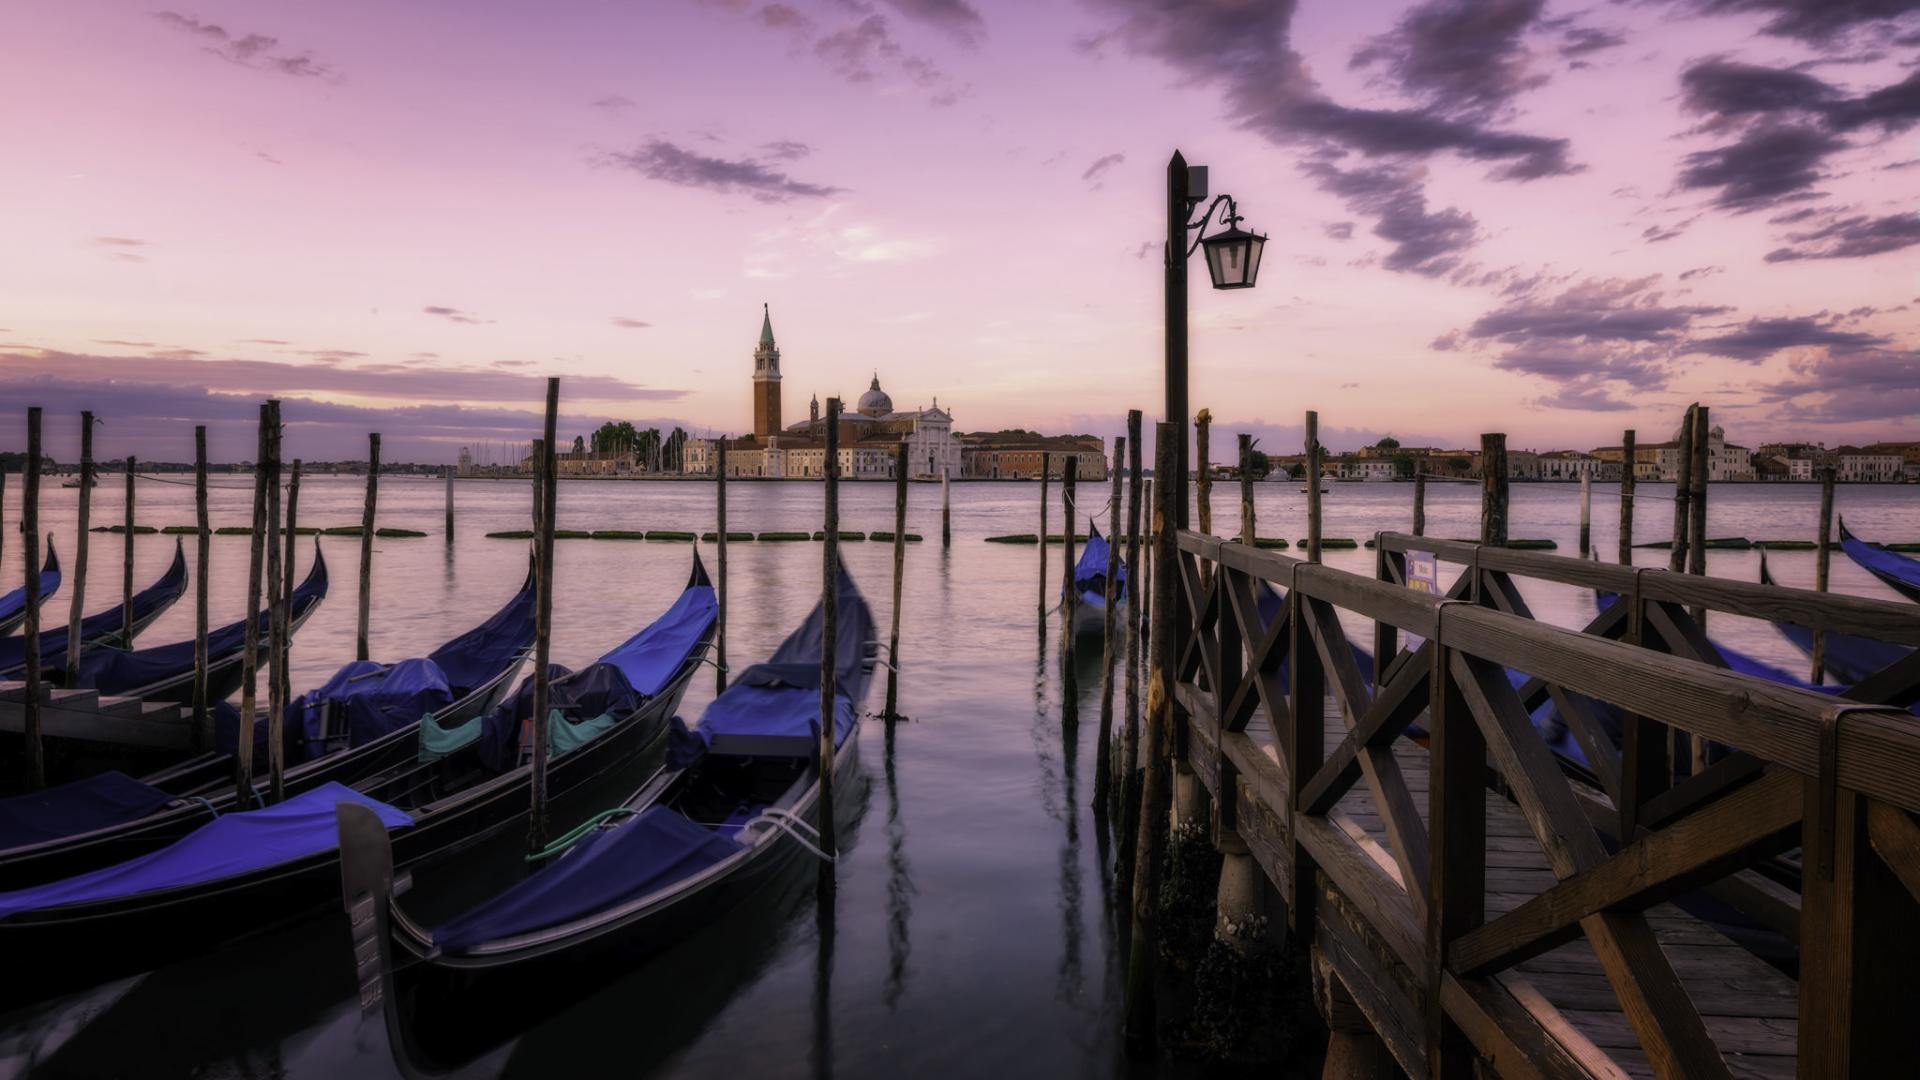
76,611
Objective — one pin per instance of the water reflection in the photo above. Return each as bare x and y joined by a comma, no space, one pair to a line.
900,889
822,1049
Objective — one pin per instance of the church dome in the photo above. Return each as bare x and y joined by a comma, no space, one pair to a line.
875,401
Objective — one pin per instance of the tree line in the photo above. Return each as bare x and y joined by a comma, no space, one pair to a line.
654,451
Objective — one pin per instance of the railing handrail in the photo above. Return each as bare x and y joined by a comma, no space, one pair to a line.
1878,754
1884,620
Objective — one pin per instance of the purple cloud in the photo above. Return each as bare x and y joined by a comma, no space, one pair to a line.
669,163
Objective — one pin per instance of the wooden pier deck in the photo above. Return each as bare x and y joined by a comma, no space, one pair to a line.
1501,924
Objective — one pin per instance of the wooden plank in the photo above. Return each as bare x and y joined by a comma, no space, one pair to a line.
1397,704
1507,1035
1457,816
1896,839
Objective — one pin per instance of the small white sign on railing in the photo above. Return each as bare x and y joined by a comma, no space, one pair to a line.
1423,575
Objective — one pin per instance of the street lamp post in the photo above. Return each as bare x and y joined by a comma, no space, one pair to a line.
1233,262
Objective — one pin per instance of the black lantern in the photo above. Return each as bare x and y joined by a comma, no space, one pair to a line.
1233,257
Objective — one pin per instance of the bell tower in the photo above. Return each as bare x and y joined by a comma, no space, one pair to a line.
766,380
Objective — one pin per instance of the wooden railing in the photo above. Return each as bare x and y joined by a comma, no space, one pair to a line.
1400,912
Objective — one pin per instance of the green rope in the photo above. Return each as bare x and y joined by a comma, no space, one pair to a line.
573,837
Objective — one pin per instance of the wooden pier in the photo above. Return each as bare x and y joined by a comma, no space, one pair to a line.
1466,907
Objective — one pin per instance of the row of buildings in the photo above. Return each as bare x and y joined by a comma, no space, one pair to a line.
1878,463
869,438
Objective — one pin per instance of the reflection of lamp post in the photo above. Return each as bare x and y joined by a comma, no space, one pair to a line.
1233,262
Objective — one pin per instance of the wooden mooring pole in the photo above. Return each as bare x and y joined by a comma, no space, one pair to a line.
1419,498
1046,476
30,628
1586,514
1203,468
544,485
1699,464
1627,481
1682,495
76,611
1103,750
1069,596
1156,794
366,543
1146,566
1246,489
1136,602
829,626
1493,491
276,618
283,654
899,574
449,505
1313,486
126,563
250,651
720,553
202,545
1822,560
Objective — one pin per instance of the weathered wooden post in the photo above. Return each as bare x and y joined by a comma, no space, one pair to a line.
449,503
1420,498
202,543
899,573
276,618
30,628
1493,492
544,485
1586,514
1069,596
1136,590
1146,566
1313,486
126,564
291,531
250,651
366,541
829,626
1156,792
1046,476
1103,752
1626,497
720,550
77,610
1246,489
1682,481
1701,473
946,509
1821,560
1203,469
1456,852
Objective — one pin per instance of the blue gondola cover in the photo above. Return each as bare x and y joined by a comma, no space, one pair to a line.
475,657
1090,573
373,699
300,827
1898,572
608,867
95,802
774,708
650,658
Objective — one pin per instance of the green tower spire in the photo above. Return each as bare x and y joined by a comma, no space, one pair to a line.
766,326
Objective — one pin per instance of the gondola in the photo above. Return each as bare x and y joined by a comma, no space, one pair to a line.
105,627
165,672
1849,657
1089,585
250,870
1895,570
13,606
727,811
361,722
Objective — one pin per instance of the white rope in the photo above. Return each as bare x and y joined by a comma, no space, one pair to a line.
797,828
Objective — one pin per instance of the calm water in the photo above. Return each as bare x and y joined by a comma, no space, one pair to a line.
969,935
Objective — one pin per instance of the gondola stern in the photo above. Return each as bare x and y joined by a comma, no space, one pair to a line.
366,885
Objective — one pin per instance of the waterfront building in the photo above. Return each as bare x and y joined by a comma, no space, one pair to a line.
1868,465
1725,460
1016,455
1572,465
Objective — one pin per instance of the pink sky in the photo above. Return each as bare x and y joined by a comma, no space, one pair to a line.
1556,220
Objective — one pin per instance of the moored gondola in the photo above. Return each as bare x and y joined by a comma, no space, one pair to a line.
729,810
1850,657
250,870
359,723
106,627
1089,585
13,605
1893,569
